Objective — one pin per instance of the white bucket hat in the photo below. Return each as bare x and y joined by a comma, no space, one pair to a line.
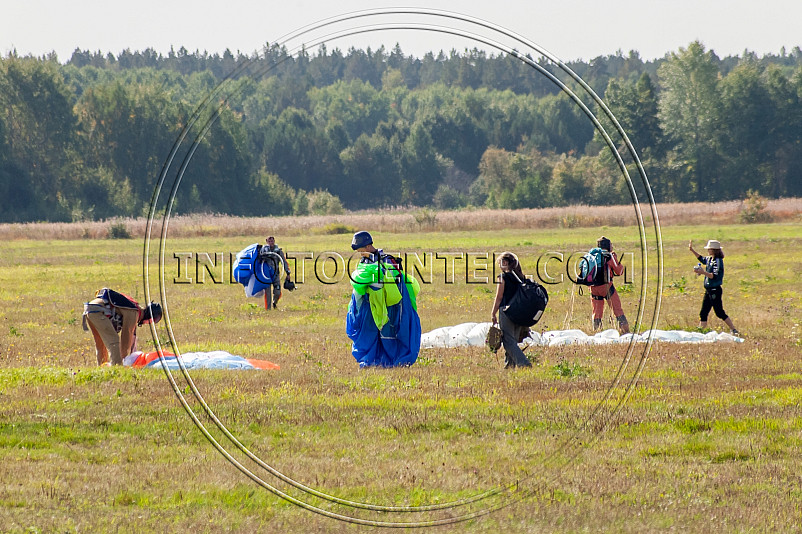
713,244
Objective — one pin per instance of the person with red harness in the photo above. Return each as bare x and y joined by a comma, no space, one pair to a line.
113,317
606,291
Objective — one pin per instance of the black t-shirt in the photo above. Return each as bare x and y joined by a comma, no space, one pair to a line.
713,265
511,284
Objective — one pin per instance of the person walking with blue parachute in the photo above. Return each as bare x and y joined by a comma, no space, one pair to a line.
597,269
382,320
272,253
258,268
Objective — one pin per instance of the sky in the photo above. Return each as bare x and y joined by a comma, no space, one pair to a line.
570,30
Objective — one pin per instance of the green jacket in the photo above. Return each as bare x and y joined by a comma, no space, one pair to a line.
381,288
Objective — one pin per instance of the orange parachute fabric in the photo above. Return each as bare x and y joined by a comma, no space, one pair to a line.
146,357
263,364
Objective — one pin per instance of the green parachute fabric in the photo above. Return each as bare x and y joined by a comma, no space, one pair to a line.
384,292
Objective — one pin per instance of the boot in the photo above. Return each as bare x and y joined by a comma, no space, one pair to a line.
597,324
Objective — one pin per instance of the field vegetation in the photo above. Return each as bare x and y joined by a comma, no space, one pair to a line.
708,440
415,220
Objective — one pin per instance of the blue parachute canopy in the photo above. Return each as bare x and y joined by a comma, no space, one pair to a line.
392,304
251,271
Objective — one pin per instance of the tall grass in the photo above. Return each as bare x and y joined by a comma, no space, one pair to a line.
405,220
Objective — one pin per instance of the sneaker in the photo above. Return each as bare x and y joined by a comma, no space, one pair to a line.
736,333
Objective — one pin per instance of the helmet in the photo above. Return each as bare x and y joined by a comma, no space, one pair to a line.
289,285
153,312
361,239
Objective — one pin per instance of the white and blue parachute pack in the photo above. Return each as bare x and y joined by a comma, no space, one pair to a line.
254,271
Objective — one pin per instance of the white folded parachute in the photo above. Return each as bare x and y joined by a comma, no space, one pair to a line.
473,335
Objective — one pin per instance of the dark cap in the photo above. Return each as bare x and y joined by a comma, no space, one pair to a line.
153,312
361,239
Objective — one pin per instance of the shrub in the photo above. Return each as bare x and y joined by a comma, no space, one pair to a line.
300,206
448,198
425,218
271,195
753,209
478,192
324,203
119,231
336,229
567,369
100,195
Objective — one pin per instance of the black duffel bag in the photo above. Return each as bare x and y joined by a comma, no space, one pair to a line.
527,305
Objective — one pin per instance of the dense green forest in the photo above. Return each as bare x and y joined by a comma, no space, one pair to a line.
326,131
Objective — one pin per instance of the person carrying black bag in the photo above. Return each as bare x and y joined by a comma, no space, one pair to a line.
509,281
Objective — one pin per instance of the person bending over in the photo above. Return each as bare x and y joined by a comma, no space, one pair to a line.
113,318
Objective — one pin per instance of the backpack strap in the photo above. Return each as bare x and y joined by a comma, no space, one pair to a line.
117,299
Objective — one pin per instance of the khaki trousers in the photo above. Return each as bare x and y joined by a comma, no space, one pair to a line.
107,342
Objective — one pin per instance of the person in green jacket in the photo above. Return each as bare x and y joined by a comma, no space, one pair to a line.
382,319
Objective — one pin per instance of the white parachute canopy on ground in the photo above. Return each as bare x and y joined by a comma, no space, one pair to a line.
473,335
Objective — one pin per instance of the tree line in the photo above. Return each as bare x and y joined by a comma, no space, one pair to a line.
319,133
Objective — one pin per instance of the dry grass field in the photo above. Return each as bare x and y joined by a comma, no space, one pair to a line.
404,220
708,440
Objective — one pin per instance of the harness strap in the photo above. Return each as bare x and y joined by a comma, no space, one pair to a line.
609,294
107,309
